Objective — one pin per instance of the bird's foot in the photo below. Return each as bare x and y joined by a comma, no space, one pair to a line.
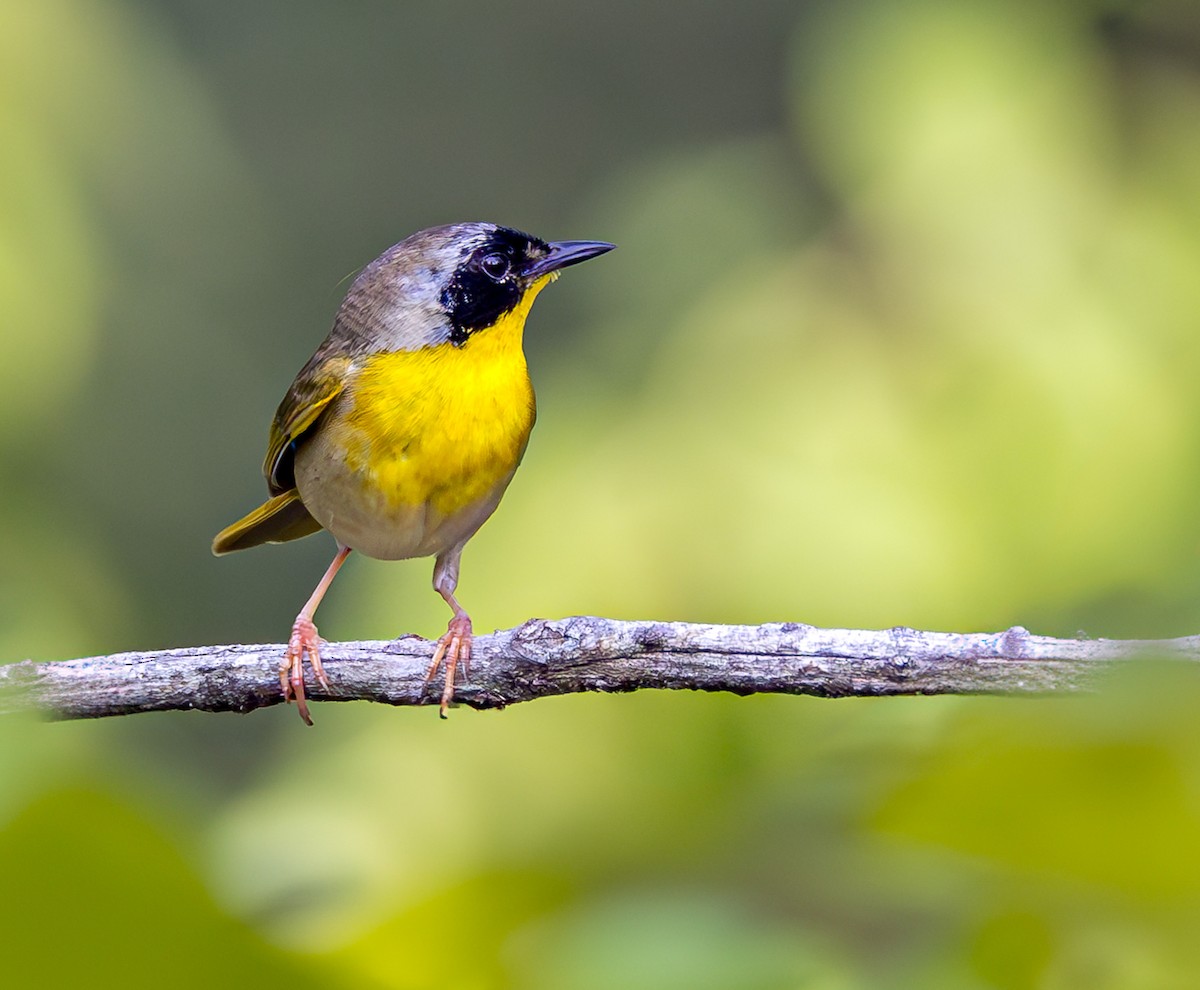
454,648
303,641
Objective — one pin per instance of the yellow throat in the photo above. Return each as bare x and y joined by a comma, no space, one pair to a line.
443,425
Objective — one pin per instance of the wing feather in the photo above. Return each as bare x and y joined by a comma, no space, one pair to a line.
319,383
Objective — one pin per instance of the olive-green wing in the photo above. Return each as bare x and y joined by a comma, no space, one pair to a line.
318,384
277,520
284,517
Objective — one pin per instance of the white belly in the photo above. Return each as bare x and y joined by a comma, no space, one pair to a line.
370,520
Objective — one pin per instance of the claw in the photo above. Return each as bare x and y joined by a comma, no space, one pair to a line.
454,649
304,640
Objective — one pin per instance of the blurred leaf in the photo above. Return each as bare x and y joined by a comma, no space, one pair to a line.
50,257
456,937
98,897
1094,791
1013,950
652,941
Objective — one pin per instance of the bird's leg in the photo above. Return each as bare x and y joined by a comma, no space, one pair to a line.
454,647
304,640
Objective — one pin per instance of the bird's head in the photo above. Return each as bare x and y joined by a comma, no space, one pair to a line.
444,284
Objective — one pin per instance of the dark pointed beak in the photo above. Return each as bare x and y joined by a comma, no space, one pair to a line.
564,253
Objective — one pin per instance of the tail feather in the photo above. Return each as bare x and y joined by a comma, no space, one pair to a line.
281,519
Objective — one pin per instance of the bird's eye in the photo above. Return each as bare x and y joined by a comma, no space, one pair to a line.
495,266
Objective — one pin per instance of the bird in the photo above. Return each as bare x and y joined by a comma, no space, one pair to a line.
401,433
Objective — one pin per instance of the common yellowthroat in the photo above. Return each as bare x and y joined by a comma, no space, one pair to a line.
403,430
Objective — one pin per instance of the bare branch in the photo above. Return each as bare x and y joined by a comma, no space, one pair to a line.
564,656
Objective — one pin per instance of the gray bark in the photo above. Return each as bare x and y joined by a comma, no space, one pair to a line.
542,658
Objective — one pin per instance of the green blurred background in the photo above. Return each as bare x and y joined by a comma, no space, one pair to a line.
902,329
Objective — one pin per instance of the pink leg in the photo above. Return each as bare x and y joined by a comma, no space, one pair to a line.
454,647
305,641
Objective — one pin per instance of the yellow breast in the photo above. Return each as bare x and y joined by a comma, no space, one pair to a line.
442,426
